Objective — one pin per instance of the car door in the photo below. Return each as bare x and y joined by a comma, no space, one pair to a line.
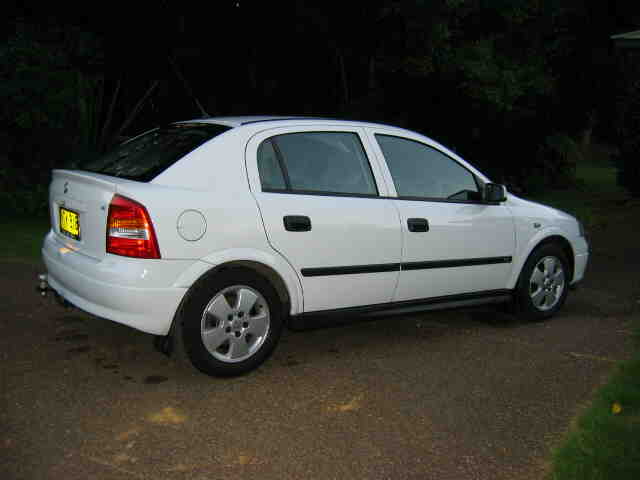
321,204
454,243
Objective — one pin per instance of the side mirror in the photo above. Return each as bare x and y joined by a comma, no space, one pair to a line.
494,193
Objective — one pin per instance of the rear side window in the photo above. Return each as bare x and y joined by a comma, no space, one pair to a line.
271,174
322,162
147,156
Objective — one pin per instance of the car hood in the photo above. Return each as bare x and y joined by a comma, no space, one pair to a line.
538,209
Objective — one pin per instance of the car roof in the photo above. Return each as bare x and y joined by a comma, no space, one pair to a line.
255,123
238,121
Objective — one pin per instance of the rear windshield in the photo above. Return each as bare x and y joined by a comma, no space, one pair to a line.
145,157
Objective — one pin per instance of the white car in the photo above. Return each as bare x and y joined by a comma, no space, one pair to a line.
220,231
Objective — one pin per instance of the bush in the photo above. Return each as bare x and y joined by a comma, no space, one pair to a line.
551,166
628,175
19,196
628,120
557,160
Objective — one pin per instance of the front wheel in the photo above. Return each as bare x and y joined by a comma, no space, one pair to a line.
543,284
231,322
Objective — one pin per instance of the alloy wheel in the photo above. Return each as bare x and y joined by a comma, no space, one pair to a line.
547,283
235,323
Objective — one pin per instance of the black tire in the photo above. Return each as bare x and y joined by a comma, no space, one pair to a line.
532,299
201,316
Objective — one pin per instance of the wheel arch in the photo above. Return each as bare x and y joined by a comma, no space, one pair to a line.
276,271
545,239
263,270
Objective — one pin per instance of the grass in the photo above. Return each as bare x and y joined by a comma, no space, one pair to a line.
22,239
605,445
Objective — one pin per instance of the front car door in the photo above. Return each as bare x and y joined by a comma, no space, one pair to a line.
320,201
454,243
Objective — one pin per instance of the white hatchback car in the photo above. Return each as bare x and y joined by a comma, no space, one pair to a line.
220,231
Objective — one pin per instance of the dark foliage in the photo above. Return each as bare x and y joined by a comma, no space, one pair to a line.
498,81
628,121
629,170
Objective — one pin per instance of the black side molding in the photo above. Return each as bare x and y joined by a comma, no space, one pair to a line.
323,271
391,267
463,262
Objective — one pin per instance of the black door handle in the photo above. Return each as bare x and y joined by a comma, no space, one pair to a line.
418,224
297,223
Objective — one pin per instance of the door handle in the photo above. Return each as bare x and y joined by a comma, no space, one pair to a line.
418,224
297,223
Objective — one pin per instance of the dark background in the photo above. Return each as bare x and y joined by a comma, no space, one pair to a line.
521,88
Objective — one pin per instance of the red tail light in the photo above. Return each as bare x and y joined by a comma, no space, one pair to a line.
129,230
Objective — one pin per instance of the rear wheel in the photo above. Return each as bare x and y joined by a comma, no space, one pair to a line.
231,322
543,284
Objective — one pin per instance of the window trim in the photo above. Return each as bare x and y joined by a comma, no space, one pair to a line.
477,181
285,172
294,191
376,197
283,168
444,200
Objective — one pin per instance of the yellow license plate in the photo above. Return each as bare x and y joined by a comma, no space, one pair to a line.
69,223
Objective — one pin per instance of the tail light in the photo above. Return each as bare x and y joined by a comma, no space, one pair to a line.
129,230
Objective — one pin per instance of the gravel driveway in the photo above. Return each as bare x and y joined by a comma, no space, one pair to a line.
442,395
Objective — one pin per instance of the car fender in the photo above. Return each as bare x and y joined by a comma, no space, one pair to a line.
273,261
529,246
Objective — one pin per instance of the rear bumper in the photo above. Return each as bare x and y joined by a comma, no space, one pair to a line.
137,293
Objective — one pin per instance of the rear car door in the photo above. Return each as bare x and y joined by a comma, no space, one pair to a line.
454,243
321,204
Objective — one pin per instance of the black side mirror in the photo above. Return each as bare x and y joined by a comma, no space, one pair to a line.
494,193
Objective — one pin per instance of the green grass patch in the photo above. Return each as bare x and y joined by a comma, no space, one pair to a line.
600,179
605,444
592,199
22,239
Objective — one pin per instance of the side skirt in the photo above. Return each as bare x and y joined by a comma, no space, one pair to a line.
339,316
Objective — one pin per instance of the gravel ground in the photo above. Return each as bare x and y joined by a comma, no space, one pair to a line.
440,395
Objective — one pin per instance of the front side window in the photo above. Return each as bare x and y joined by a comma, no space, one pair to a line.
322,162
419,170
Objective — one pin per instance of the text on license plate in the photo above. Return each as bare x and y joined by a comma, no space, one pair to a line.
69,223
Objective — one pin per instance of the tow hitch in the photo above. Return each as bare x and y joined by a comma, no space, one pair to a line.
43,288
43,285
